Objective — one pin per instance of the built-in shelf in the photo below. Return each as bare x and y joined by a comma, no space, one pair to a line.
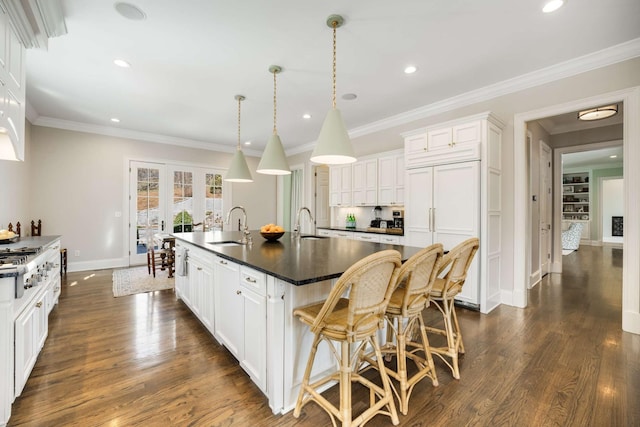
576,199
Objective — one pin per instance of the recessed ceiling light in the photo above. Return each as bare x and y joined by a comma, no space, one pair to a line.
552,6
410,69
247,143
121,63
129,11
349,96
613,156
306,116
115,120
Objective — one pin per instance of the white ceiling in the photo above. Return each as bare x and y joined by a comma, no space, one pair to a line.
597,159
190,57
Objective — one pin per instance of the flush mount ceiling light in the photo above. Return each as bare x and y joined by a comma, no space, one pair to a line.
274,160
333,146
238,170
552,6
410,69
598,113
306,116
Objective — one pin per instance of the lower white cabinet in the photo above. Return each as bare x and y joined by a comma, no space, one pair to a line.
31,329
196,289
367,237
241,317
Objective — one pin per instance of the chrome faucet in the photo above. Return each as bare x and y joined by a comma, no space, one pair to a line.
246,235
296,230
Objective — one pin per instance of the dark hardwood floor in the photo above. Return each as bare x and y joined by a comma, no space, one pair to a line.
146,360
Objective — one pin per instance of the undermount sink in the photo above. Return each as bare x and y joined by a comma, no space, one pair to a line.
227,243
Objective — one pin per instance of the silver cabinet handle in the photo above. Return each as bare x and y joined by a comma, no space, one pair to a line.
430,218
250,279
238,292
223,262
433,225
199,268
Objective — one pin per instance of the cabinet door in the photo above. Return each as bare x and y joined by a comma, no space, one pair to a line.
418,207
456,202
439,139
391,180
467,133
366,237
399,180
254,355
340,185
229,324
30,334
203,300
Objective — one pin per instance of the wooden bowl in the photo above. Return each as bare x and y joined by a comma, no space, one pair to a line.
272,237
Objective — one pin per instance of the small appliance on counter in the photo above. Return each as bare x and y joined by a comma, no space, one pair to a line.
398,218
376,217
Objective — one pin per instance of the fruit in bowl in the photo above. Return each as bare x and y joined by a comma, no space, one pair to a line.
271,232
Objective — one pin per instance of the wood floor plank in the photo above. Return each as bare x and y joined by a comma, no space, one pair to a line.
146,360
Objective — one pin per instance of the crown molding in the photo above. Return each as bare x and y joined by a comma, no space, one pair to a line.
36,20
602,58
572,67
136,135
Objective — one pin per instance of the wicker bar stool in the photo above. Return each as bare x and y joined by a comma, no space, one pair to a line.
352,322
405,325
456,264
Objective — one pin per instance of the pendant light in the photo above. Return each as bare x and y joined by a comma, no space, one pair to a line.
274,160
238,171
333,146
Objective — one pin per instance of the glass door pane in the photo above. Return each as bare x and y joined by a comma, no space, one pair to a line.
146,207
213,208
182,201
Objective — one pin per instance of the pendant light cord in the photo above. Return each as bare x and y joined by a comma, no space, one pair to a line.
274,103
239,101
335,25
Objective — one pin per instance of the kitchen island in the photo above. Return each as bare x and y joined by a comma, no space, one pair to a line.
245,296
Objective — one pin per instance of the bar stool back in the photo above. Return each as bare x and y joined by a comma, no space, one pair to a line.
353,323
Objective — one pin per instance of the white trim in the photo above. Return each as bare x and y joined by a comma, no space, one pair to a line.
582,64
99,264
137,135
631,126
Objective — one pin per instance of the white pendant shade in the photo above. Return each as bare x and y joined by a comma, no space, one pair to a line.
238,171
333,146
274,160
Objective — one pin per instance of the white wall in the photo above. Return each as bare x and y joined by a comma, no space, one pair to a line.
15,188
612,205
79,182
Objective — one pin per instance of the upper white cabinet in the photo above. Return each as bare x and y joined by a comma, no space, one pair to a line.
391,180
340,185
453,192
365,182
12,91
444,143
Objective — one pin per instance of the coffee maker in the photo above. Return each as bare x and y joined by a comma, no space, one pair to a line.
398,219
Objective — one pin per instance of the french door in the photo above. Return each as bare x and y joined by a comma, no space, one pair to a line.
172,198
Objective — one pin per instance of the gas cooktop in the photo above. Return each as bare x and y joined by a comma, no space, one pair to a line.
16,256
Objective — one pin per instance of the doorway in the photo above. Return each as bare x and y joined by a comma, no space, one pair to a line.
521,240
171,198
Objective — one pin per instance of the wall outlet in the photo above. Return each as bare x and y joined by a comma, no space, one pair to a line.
76,253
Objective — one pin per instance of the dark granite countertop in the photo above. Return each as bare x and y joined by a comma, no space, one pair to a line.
297,261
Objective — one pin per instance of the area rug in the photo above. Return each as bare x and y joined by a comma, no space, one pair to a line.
137,280
566,251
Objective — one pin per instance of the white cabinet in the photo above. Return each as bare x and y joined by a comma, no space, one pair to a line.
342,234
340,185
12,91
31,329
453,192
367,237
364,190
391,180
391,240
445,143
323,232
241,313
228,315
196,289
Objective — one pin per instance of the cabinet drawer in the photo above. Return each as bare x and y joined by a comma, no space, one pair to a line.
392,240
254,280
323,232
366,237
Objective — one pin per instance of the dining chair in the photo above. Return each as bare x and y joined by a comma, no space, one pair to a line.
352,323
406,333
451,277
36,229
158,257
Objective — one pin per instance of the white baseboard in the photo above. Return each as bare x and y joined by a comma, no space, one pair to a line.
513,298
98,264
